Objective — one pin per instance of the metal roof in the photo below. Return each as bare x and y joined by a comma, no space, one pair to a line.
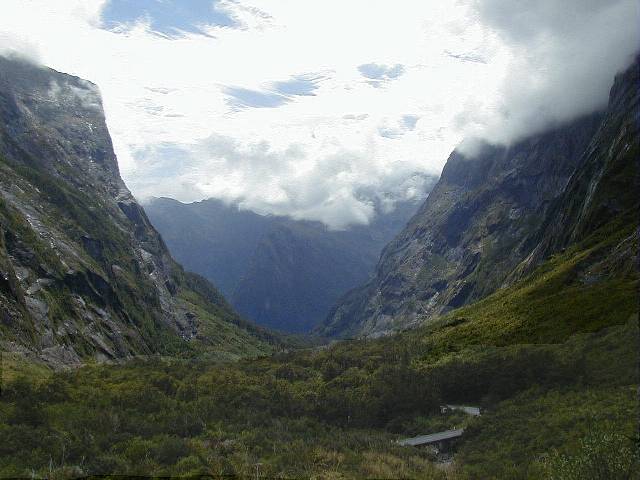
475,411
431,438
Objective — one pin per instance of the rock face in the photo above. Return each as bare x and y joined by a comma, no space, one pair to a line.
607,184
279,272
83,274
493,218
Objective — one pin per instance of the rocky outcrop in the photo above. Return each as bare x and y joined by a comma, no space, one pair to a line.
83,274
494,217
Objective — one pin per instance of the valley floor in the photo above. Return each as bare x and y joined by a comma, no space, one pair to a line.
319,415
553,361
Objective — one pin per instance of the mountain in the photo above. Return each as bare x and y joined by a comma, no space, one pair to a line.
83,274
550,356
493,217
300,269
209,237
279,272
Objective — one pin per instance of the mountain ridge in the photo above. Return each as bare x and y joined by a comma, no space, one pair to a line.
479,229
85,275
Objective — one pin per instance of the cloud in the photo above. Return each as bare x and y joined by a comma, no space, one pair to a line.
398,127
86,95
19,46
271,108
563,56
164,91
271,111
466,57
300,85
340,189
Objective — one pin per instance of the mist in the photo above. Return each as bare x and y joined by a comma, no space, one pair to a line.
563,58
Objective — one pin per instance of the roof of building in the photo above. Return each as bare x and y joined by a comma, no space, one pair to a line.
431,438
475,411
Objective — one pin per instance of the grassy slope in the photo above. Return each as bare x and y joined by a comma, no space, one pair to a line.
514,440
556,301
588,328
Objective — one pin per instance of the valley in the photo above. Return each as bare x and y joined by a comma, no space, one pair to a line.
510,284
281,273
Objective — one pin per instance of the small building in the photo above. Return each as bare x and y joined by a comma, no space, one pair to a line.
443,441
474,411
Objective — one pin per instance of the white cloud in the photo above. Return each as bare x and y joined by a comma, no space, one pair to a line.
563,59
87,94
182,111
19,46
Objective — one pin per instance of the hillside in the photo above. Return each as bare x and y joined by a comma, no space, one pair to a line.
551,360
84,275
411,249
494,217
279,272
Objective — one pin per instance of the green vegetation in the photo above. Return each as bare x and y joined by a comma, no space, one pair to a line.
557,405
568,294
13,365
551,359
17,226
533,428
319,412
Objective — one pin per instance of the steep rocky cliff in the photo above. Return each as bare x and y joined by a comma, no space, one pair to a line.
494,217
606,187
83,274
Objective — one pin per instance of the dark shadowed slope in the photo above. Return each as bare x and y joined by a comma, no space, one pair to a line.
209,237
281,273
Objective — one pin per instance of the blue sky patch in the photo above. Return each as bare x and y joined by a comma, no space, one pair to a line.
409,121
275,94
301,85
379,74
245,97
388,132
169,17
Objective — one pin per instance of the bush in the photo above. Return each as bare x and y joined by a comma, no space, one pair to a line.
604,454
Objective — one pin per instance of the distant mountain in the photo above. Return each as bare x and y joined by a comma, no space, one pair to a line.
209,237
278,272
83,274
493,218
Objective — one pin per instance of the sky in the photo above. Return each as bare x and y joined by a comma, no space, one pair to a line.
298,107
